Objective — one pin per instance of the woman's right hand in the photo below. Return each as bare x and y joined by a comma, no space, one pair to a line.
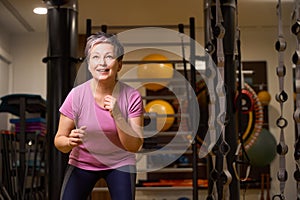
66,136
76,136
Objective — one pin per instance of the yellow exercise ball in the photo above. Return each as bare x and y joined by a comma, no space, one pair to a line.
155,71
264,97
161,107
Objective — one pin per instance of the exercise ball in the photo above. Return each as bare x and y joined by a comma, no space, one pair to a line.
155,71
263,150
264,97
161,107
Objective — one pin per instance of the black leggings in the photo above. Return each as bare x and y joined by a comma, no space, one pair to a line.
78,183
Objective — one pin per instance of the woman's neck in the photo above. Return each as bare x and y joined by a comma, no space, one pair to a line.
100,87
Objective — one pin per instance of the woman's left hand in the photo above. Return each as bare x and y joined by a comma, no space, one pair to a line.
110,104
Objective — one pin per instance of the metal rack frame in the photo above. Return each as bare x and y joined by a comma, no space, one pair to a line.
192,78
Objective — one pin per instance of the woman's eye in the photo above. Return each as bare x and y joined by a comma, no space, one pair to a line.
109,57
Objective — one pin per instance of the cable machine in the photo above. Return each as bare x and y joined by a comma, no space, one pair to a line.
220,18
296,60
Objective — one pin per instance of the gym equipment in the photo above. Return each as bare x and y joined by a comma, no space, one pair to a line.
163,110
262,187
61,72
151,42
281,98
155,70
18,169
264,97
263,150
220,175
296,61
244,101
265,182
244,104
255,120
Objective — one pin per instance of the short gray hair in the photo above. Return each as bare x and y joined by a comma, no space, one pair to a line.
101,37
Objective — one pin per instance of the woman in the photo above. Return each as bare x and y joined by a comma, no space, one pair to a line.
101,126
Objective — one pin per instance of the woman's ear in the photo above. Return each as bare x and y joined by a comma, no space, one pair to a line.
120,63
89,68
86,63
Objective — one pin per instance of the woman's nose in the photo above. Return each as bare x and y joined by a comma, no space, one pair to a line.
102,61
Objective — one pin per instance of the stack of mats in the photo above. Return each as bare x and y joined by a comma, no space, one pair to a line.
31,125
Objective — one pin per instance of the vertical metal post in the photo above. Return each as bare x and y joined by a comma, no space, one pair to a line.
228,11
229,16
22,144
61,70
88,31
193,84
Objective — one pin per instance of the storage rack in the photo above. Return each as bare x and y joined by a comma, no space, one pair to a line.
23,175
192,77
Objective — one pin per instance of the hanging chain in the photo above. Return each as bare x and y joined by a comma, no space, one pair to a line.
223,148
281,97
241,156
211,75
214,78
296,60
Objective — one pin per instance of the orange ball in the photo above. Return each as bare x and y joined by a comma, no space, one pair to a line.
155,71
161,107
264,97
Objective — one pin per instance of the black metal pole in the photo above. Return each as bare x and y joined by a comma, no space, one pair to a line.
88,31
22,144
193,84
61,72
229,22
229,16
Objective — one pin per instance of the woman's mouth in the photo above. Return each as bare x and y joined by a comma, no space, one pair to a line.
103,70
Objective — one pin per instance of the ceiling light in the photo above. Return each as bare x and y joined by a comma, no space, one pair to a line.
40,10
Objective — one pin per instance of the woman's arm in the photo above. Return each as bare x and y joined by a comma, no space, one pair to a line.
67,137
131,132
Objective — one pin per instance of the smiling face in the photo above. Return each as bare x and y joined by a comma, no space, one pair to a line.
103,63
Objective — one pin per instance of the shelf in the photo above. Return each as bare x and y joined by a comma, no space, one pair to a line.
158,80
175,170
11,103
155,115
156,152
152,61
22,162
166,133
163,188
166,97
105,189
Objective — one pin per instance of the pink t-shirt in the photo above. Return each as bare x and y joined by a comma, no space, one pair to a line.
101,148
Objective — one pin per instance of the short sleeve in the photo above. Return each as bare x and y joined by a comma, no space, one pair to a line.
136,107
67,106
